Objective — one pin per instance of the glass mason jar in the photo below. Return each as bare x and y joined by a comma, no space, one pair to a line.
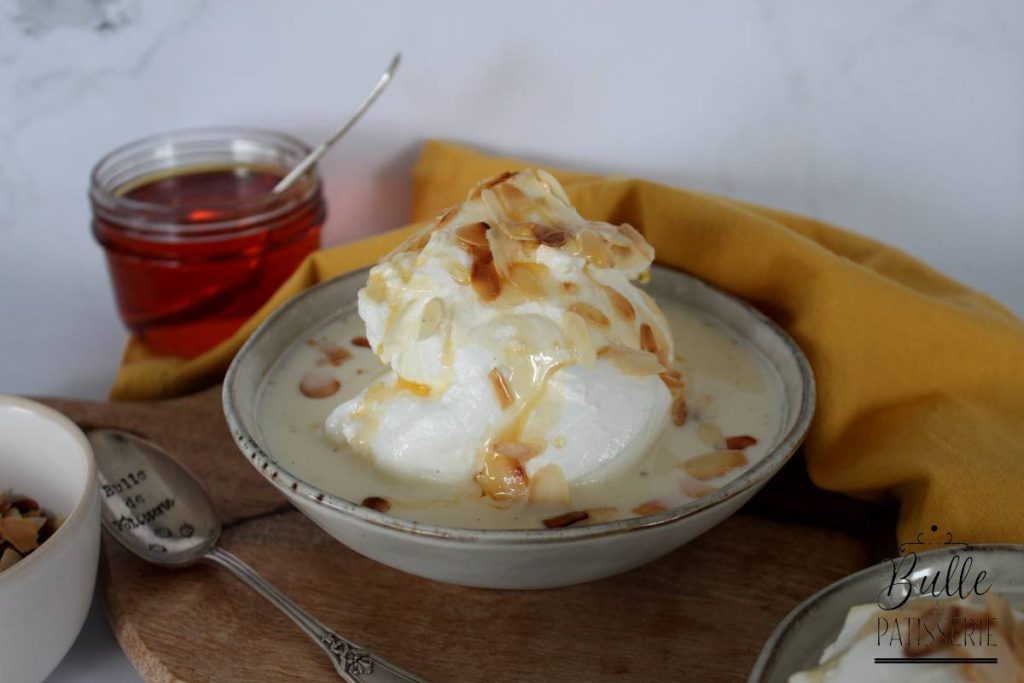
195,239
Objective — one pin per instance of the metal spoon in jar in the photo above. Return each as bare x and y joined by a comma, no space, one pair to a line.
315,155
157,510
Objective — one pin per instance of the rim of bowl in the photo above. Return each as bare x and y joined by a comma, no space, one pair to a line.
798,614
76,517
289,483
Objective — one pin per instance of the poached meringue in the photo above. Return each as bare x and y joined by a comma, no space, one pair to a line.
521,355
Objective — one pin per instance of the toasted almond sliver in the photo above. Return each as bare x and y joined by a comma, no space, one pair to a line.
622,255
23,534
474,234
567,519
9,558
446,216
602,515
529,277
630,361
336,354
710,433
738,443
502,390
579,337
647,342
497,180
590,313
503,478
621,304
316,384
714,465
521,231
679,412
496,208
639,242
511,194
362,342
376,287
484,185
594,249
552,185
484,276
548,485
430,318
519,450
673,379
548,236
651,507
459,272
505,251
377,503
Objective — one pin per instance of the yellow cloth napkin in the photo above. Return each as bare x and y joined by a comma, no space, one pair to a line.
920,379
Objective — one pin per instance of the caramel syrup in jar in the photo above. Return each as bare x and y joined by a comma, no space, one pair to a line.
233,243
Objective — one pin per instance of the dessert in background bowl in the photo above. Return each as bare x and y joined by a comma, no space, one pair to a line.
511,407
929,629
45,596
837,634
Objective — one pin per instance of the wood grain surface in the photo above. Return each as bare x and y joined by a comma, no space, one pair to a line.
701,613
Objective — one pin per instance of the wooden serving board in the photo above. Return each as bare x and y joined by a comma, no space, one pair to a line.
702,613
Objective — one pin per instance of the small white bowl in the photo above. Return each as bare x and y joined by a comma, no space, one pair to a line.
45,597
519,558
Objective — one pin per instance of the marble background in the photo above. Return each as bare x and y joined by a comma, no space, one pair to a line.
901,119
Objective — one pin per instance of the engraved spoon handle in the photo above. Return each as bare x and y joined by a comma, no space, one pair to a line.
353,663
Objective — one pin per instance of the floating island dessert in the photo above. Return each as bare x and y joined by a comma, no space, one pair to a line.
507,369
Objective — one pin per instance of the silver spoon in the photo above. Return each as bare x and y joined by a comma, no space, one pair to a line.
315,155
156,509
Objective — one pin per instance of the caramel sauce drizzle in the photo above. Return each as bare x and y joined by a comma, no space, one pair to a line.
500,251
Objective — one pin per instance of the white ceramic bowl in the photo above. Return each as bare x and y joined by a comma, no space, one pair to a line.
45,597
524,558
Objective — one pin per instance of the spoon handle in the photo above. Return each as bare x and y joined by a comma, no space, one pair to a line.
353,663
317,153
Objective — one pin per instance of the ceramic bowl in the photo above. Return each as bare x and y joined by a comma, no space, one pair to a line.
44,598
523,558
798,641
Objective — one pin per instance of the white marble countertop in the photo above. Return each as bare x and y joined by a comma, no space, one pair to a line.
902,120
